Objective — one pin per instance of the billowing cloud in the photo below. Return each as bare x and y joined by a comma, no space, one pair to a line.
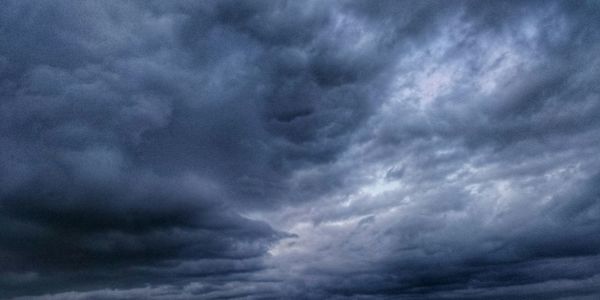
299,150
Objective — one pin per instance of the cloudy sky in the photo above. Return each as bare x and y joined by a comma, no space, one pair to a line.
362,149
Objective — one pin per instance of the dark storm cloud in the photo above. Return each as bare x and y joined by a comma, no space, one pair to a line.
132,131
299,150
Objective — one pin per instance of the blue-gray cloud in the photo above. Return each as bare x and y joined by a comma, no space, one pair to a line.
299,150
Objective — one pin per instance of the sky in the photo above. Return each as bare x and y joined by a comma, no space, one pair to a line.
359,149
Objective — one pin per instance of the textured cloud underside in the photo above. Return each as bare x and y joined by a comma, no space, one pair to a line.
299,150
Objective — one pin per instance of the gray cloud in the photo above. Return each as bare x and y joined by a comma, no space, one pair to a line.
299,150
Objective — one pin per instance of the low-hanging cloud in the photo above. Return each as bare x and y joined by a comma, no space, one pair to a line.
299,150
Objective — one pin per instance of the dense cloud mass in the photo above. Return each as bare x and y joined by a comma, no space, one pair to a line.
299,149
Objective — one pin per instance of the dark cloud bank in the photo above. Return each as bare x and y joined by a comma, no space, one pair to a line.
299,150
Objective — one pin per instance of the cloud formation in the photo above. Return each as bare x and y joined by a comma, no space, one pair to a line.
299,150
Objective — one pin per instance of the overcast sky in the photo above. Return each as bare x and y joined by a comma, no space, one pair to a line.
362,149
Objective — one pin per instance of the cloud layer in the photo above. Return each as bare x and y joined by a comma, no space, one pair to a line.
299,150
